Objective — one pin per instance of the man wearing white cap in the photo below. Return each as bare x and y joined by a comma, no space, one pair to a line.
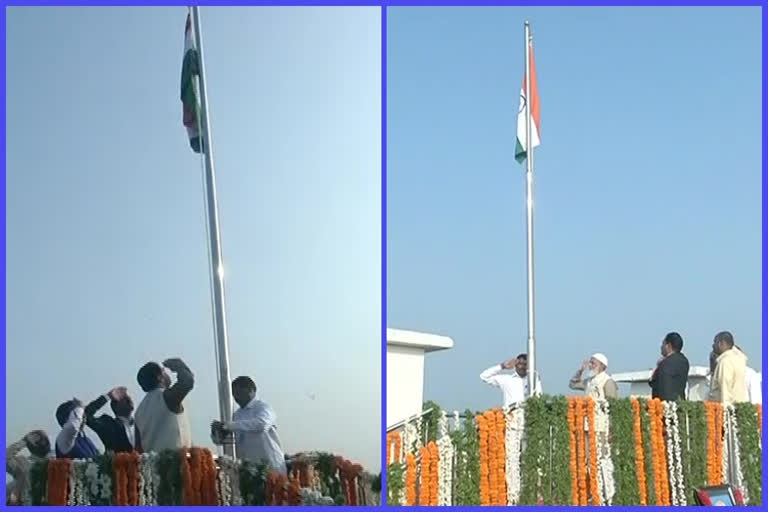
598,384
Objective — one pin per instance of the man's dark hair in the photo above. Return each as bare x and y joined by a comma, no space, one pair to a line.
724,337
41,448
63,411
149,376
523,356
674,340
244,382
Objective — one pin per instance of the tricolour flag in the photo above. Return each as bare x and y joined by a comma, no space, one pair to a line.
521,148
190,69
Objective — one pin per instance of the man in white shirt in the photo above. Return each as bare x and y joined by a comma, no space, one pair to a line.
514,386
254,426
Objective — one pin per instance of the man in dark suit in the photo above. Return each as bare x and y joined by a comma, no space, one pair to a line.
118,434
670,379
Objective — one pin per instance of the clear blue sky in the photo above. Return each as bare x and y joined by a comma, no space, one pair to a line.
107,257
648,179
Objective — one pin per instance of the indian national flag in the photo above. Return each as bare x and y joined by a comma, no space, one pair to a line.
189,72
521,149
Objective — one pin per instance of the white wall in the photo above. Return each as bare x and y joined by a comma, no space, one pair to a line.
698,389
405,382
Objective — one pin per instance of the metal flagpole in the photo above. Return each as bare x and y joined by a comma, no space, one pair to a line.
529,209
217,268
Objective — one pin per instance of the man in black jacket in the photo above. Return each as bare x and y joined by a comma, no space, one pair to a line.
118,434
669,380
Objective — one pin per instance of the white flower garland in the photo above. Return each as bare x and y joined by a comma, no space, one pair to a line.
419,441
410,438
228,482
442,424
732,427
72,484
606,483
456,420
312,497
674,454
513,438
445,471
78,494
149,479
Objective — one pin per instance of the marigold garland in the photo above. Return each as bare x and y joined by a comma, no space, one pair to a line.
294,492
187,493
208,489
482,429
759,408
663,452
126,470
594,491
58,479
493,463
639,457
394,443
410,480
711,455
501,457
424,466
580,445
120,492
714,443
434,457
572,446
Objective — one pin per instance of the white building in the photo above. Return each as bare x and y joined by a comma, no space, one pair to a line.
405,371
698,386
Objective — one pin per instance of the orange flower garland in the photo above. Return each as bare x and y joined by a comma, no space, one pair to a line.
482,427
355,470
120,491
209,493
660,476
434,458
410,480
393,441
425,489
639,455
132,470
580,441
294,492
187,493
126,468
663,452
718,469
58,481
490,419
501,457
709,407
572,432
759,408
594,491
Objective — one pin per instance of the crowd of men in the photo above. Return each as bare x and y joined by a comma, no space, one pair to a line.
729,381
159,423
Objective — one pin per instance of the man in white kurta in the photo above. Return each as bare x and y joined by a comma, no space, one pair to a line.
513,386
254,426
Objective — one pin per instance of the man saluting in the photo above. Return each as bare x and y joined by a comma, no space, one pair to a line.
118,434
161,419
514,386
